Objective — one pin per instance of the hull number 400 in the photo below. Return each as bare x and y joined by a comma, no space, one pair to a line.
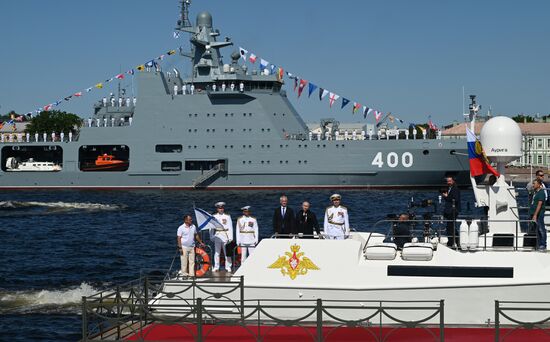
393,159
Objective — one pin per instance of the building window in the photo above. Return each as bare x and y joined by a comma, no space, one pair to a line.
168,148
539,143
539,160
170,166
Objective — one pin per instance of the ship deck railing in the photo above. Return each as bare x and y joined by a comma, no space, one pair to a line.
359,136
524,237
198,306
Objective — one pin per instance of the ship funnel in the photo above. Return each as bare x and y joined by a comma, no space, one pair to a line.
204,19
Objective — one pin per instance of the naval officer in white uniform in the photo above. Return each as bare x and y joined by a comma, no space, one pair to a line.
222,236
336,219
247,233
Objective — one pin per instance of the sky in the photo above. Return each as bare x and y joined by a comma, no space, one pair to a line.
410,58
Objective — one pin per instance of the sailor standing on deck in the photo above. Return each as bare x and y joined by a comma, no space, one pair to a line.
222,236
247,233
336,220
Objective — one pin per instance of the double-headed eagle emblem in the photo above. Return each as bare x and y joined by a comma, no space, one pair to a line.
294,263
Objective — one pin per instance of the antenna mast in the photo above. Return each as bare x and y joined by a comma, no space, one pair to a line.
184,21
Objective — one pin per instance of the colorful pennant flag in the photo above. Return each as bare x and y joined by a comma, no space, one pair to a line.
243,53
377,115
332,98
78,94
140,67
130,72
120,76
322,93
171,52
391,118
99,85
252,58
68,98
356,107
344,102
366,111
301,87
150,64
311,89
263,64
89,89
295,82
273,68
47,107
280,74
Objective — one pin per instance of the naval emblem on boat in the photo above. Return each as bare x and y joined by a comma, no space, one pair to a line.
294,263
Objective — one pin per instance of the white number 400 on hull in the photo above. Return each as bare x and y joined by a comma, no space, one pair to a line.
392,159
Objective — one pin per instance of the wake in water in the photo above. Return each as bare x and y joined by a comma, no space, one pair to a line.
44,301
21,208
62,205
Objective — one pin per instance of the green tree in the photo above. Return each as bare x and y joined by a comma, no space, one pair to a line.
523,118
54,121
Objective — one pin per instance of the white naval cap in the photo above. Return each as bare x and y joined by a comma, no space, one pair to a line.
335,196
219,204
246,208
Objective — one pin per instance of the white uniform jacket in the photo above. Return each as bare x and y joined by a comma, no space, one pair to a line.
247,231
226,233
336,221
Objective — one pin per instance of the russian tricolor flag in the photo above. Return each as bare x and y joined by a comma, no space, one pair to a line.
479,165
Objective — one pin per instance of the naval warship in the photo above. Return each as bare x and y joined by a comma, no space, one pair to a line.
222,127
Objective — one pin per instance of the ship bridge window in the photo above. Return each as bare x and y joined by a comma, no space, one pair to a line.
104,158
171,166
168,148
32,158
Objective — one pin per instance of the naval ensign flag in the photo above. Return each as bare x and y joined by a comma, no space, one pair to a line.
205,221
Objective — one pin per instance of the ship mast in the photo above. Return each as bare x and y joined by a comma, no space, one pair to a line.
183,20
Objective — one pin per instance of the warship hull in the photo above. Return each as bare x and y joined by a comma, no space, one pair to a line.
225,127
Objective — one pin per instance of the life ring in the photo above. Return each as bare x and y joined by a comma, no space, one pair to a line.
203,262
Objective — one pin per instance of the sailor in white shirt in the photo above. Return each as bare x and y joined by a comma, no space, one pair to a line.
222,236
241,87
223,86
247,233
187,233
336,220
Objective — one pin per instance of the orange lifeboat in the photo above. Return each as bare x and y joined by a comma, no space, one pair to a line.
107,162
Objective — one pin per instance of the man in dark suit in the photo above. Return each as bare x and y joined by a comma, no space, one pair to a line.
306,221
451,210
283,218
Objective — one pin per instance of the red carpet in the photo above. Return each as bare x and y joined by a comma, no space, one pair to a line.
220,333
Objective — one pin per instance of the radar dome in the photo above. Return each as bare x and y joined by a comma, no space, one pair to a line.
501,139
204,19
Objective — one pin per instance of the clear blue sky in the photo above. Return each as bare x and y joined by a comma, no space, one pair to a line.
408,57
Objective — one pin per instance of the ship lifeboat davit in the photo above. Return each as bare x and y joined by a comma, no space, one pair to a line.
107,162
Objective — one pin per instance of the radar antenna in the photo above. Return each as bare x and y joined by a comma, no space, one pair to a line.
184,21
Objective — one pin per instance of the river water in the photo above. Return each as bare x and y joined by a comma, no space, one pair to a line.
56,247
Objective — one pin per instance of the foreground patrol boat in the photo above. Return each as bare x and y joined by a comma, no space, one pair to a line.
219,136
366,286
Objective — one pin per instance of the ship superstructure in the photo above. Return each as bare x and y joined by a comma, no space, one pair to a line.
224,126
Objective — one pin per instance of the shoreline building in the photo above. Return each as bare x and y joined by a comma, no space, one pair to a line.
535,142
